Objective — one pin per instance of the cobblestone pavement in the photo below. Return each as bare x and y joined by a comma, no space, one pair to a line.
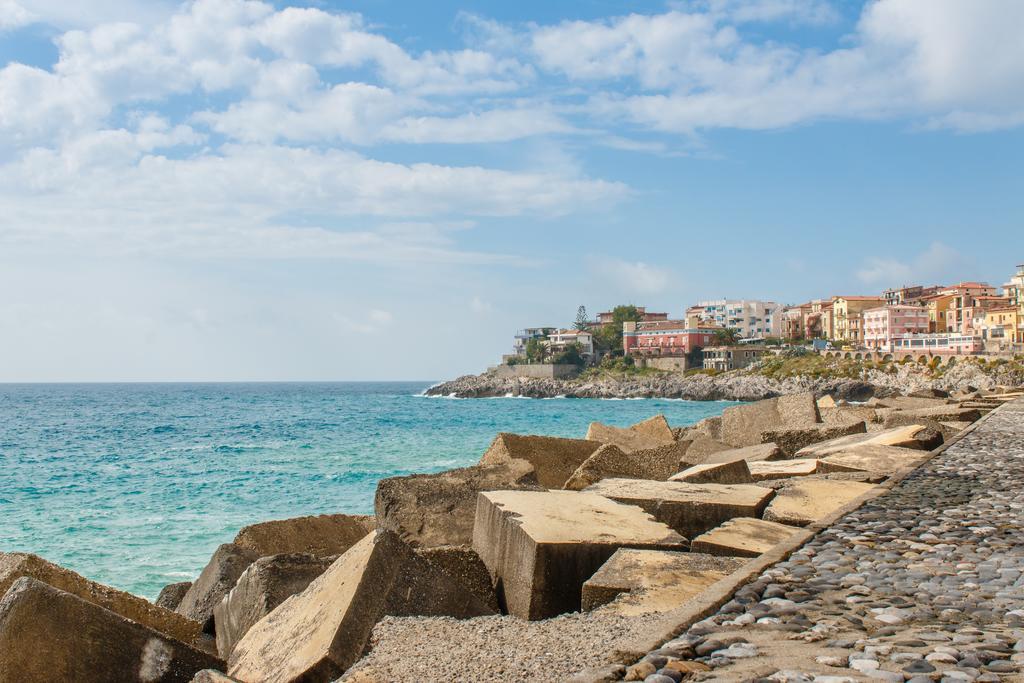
923,583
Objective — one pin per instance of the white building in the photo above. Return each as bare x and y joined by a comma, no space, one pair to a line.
754,319
560,340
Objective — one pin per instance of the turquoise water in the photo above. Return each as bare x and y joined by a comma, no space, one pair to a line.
134,485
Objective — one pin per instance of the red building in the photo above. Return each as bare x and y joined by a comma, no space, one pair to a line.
664,338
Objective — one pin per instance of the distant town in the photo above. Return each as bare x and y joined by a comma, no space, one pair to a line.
913,321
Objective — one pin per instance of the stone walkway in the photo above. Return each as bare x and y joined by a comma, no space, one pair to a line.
923,583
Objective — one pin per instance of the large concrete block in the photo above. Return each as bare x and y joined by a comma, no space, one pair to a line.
648,581
899,418
611,461
542,546
316,635
14,566
554,459
701,449
808,500
48,635
885,460
742,537
743,425
757,453
171,595
643,435
320,535
908,402
949,413
709,426
217,578
689,509
438,509
790,441
908,436
267,583
782,469
735,472
462,565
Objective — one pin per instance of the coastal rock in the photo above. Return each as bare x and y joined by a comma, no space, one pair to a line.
266,583
689,509
217,578
642,436
554,459
648,581
805,501
742,537
47,634
611,461
320,535
541,547
735,472
14,566
317,634
790,441
744,425
171,595
438,509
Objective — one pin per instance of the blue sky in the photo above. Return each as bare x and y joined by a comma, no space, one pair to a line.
229,190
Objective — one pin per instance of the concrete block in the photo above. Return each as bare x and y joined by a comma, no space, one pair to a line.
267,583
14,566
689,509
709,426
636,582
757,453
955,427
948,413
909,402
701,449
319,633
217,578
885,460
782,469
908,436
611,461
735,472
47,634
213,676
554,459
742,537
320,535
808,500
743,425
171,595
899,418
438,509
462,565
541,547
790,441
643,435
826,401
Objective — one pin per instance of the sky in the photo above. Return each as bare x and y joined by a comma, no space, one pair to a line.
381,190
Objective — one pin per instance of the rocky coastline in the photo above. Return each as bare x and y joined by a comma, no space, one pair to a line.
738,385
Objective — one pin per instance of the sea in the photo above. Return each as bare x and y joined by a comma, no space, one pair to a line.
135,485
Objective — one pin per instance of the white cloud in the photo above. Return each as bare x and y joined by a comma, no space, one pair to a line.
13,15
479,305
932,266
631,276
797,11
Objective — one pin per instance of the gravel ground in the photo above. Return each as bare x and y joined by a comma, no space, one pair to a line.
491,648
923,583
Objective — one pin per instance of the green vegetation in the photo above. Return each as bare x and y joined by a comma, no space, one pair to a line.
727,336
609,337
622,367
573,355
581,318
810,365
537,350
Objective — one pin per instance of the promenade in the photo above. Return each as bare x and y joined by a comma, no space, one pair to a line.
922,583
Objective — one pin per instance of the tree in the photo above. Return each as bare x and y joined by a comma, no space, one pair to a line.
581,318
537,350
609,337
572,355
727,336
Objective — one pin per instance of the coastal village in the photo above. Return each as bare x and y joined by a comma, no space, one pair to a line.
912,321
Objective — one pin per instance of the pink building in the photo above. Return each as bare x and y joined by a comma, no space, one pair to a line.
884,323
664,338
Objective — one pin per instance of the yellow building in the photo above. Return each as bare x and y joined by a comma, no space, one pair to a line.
846,316
1003,325
938,312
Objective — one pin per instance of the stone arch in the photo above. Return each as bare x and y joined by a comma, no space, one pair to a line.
858,356
848,355
951,362
922,359
887,358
